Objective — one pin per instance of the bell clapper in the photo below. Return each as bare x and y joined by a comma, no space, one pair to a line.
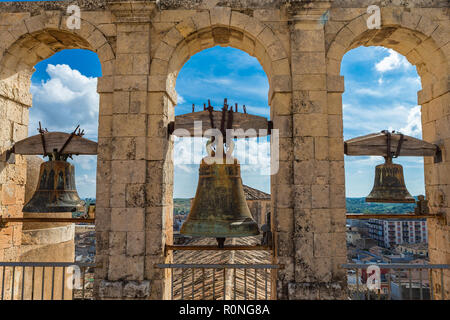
220,242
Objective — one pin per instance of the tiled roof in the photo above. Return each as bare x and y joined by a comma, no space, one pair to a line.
205,292
417,246
255,194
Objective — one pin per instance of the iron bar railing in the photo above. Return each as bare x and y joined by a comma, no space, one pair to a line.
54,280
407,216
220,281
396,281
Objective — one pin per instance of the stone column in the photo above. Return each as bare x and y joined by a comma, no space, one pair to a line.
125,184
314,240
435,129
15,99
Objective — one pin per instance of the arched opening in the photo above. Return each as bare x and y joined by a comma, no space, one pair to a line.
420,46
67,83
194,35
42,82
381,87
214,74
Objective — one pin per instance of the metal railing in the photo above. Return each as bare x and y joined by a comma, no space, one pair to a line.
397,281
220,281
46,280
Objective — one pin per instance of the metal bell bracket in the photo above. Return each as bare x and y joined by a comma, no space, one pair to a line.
219,146
390,154
2,223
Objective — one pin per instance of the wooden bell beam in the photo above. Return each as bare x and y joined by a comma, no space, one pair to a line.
250,124
65,143
376,144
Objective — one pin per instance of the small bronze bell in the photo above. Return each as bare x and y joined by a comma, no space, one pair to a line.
389,185
56,190
219,209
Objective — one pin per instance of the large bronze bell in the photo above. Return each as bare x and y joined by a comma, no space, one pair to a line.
389,184
56,190
219,209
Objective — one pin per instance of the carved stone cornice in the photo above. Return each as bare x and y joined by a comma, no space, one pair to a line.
312,14
307,7
132,11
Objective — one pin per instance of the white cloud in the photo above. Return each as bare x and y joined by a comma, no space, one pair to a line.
413,126
370,92
391,62
364,160
261,111
196,85
85,180
375,118
65,100
253,154
85,184
188,152
85,162
220,81
180,99
369,119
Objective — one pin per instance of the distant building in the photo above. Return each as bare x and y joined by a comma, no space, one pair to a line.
258,202
389,233
361,224
353,235
410,291
417,249
357,236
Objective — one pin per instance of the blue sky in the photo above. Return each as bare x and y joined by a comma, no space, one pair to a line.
381,93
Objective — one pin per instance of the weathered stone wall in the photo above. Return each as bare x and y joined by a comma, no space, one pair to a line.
14,103
300,44
259,208
421,34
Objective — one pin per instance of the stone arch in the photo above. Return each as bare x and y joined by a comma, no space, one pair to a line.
424,43
417,37
24,44
38,37
223,27
205,29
